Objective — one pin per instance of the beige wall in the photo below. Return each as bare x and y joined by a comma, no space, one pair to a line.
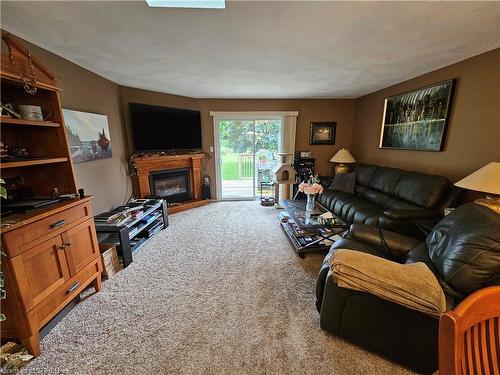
472,139
340,111
85,91
473,136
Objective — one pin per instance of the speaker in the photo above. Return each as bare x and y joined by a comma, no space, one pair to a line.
205,191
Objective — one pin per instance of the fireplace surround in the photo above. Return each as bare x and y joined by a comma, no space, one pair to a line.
144,167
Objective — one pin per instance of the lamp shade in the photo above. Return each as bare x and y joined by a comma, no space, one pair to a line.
342,156
486,179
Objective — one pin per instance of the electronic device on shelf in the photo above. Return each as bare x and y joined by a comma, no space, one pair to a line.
27,205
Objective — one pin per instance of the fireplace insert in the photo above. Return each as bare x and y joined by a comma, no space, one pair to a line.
172,185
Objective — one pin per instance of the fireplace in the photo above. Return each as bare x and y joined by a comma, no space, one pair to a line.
171,184
144,166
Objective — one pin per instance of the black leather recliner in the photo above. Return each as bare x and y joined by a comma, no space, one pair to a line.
391,198
463,252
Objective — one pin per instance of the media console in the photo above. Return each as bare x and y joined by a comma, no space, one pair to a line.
132,233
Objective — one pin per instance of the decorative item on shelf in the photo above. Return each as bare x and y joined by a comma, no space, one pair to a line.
30,85
56,193
311,188
33,112
16,189
283,174
417,120
13,153
342,157
3,191
322,133
485,180
9,110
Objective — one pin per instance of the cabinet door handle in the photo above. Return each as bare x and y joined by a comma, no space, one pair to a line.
73,287
57,224
67,244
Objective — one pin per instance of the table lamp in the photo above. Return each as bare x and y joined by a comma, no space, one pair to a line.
342,157
486,180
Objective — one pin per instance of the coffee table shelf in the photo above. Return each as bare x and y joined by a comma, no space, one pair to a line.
304,230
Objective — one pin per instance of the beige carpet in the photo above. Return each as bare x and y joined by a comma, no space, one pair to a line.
218,292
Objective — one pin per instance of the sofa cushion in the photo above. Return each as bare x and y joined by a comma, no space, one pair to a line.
344,182
398,204
377,197
465,247
385,179
354,209
421,189
365,173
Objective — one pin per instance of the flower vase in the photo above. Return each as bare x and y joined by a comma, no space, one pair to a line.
310,202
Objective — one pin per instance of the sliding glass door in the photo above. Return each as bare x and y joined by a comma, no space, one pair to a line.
245,149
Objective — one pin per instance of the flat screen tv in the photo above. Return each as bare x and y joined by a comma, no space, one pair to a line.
157,128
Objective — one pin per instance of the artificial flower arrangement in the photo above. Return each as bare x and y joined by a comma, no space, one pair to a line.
311,187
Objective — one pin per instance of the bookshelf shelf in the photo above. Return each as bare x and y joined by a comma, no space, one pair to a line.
5,120
29,163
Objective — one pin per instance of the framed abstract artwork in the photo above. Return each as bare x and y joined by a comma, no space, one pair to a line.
322,133
417,120
88,136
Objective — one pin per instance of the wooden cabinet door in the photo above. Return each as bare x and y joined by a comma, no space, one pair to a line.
40,271
80,246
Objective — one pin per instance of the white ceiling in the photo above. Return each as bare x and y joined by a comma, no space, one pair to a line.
259,49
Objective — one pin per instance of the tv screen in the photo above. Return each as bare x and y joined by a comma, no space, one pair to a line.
157,128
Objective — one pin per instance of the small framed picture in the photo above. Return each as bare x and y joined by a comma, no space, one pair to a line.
322,133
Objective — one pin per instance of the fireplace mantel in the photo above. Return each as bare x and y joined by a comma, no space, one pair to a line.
143,165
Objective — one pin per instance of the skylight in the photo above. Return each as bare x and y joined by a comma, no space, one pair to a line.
209,4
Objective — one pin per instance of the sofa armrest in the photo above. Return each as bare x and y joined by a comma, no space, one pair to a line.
391,330
398,244
410,214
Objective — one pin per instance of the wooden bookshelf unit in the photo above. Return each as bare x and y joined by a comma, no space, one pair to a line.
51,253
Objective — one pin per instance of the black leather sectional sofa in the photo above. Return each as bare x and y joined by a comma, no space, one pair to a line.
391,198
463,252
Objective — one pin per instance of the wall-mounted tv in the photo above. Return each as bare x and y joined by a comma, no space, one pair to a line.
157,128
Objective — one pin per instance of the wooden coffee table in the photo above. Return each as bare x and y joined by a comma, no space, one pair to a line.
304,230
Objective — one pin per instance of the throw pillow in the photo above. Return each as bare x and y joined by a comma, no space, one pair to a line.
344,182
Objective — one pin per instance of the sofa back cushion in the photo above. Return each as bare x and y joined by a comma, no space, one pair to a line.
398,189
385,179
364,173
421,189
464,248
344,182
381,185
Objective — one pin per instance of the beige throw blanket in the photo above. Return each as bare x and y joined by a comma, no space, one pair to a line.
410,285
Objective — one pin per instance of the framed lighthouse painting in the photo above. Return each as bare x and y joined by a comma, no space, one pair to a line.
88,136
